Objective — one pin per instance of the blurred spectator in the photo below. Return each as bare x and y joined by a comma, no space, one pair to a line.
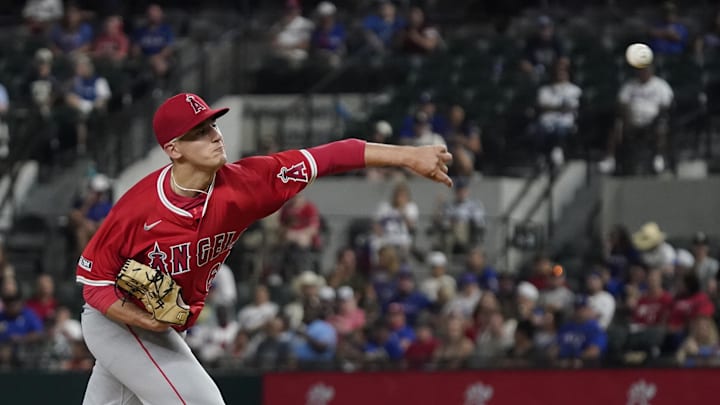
706,267
655,251
482,314
708,43
90,210
19,326
464,142
701,348
426,104
455,348
418,37
384,275
689,303
644,103
299,233
412,301
256,315
684,263
467,298
212,340
460,223
328,39
315,345
670,36
274,352
382,346
543,50
349,317
382,132
41,14
581,341
397,321
7,271
526,299
154,41
421,351
395,221
43,302
547,330
223,290
112,44
291,35
600,300
438,277
476,264
540,270
345,272
620,251
4,130
88,94
423,133
72,34
649,314
558,102
523,352
496,339
381,29
306,305
80,358
63,334
557,296
42,86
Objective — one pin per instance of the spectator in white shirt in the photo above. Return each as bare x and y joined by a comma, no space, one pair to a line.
291,36
254,316
557,297
423,133
644,103
395,221
706,267
558,102
654,251
438,278
40,14
212,341
461,222
600,300
223,291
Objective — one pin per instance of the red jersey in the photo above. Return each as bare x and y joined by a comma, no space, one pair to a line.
146,226
652,310
685,309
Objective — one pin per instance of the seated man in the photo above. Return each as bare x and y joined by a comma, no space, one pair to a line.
291,35
644,104
89,212
154,41
328,38
558,102
18,326
461,221
381,29
88,93
580,341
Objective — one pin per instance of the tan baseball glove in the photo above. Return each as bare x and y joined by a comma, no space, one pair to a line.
158,291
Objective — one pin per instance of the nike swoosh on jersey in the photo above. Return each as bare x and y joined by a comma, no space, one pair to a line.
151,226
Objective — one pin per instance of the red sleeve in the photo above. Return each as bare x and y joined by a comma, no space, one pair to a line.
340,156
102,258
704,306
99,298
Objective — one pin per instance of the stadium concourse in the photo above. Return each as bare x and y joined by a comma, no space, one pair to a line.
572,237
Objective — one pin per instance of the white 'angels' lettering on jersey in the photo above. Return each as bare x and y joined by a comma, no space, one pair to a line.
206,249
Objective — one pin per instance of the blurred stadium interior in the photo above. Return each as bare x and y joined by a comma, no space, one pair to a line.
552,217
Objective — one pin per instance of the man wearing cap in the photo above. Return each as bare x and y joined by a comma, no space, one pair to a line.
438,277
89,212
706,267
183,219
581,340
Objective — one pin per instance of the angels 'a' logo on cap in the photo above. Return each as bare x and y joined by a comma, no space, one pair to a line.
196,105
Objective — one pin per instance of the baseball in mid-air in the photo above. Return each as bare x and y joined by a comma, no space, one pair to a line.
639,55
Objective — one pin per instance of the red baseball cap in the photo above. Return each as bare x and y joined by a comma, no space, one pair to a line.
181,113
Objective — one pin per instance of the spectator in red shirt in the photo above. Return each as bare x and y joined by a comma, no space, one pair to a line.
689,303
300,233
112,44
649,314
420,352
43,303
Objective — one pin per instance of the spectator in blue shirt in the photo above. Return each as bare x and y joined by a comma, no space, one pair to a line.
154,41
380,29
413,301
328,39
382,345
89,212
399,328
486,275
18,326
318,343
669,37
426,104
580,341
72,34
